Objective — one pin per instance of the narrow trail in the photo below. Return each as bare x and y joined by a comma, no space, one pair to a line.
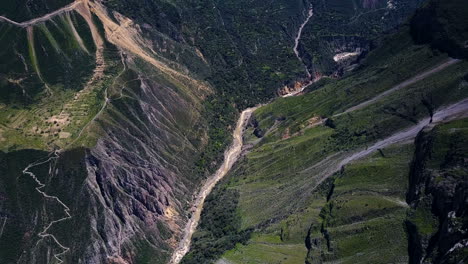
230,157
44,18
44,233
126,37
83,9
54,156
332,164
107,100
404,84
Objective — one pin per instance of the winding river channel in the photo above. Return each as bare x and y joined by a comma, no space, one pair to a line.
329,165
230,157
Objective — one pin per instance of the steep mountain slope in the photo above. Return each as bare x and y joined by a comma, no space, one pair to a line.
437,221
340,33
325,174
84,77
130,91
113,113
361,222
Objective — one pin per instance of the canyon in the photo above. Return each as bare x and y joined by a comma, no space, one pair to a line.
226,131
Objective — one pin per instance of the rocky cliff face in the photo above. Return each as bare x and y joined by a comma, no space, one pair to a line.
438,196
143,182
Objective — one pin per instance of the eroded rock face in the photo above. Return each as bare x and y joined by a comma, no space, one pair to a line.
128,201
294,88
348,51
438,197
141,183
126,196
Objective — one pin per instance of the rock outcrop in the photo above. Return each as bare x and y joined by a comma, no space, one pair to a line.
438,195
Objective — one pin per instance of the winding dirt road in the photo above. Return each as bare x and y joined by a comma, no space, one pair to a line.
230,157
334,163
84,11
44,233
455,111
44,18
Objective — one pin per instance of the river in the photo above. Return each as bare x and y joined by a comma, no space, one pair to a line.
234,151
230,157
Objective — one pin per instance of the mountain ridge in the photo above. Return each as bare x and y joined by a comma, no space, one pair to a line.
128,107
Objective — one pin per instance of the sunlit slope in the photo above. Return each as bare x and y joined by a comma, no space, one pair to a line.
115,121
22,10
59,67
50,79
279,188
363,218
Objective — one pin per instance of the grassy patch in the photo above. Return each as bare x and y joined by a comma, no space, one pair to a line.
364,220
265,252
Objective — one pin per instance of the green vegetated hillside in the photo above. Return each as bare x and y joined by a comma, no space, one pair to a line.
23,10
290,200
44,67
437,220
349,26
363,218
113,112
99,131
